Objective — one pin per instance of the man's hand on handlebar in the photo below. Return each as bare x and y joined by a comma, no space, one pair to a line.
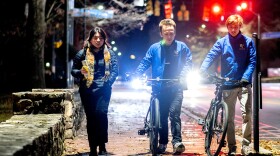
183,82
134,76
244,82
203,74
130,76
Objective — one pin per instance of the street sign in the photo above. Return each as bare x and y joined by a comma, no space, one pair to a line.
89,12
270,35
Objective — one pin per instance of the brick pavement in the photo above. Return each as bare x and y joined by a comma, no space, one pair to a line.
126,116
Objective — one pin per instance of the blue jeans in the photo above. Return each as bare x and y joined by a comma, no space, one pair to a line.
170,100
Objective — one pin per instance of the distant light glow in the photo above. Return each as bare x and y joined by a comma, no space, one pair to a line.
119,53
48,64
216,9
113,42
203,26
206,19
222,18
115,48
132,57
238,8
244,5
100,7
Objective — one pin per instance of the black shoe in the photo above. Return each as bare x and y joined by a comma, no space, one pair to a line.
102,153
93,153
161,148
102,149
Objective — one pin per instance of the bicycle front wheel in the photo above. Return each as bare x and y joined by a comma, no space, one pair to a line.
154,126
215,138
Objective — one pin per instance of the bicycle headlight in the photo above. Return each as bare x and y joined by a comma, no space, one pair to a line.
193,79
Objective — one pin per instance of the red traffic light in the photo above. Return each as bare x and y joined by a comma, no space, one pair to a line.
216,8
168,10
213,11
244,6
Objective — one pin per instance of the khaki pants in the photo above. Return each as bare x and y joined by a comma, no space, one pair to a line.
244,95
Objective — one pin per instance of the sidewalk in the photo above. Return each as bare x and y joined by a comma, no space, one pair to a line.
126,116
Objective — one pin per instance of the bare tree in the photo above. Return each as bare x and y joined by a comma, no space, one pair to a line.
126,18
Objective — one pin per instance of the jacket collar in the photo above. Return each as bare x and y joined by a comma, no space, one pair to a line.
238,36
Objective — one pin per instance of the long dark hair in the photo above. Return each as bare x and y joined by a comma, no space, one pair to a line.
102,33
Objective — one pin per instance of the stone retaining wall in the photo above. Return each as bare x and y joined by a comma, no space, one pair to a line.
6,107
70,105
42,120
38,135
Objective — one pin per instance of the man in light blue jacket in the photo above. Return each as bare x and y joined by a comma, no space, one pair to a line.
238,61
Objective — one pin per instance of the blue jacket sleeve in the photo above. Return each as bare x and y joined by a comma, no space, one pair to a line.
215,52
145,62
252,62
187,61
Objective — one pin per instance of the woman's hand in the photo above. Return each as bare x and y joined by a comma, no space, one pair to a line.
84,70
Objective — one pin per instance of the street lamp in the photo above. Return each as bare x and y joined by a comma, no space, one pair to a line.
244,6
257,94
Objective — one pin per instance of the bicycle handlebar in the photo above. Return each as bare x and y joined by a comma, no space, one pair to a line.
159,79
130,76
215,79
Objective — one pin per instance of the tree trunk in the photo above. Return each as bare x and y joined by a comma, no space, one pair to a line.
36,35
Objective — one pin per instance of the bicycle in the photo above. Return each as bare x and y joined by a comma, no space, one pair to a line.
215,123
152,120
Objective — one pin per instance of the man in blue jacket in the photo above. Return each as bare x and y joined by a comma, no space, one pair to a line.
169,59
238,61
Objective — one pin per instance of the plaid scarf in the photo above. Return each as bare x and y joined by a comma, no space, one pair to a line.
90,62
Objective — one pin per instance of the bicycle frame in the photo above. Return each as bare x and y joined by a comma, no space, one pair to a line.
151,107
152,123
215,122
218,100
217,127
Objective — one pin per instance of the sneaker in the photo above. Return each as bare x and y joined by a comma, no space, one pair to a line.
246,150
232,151
178,148
161,148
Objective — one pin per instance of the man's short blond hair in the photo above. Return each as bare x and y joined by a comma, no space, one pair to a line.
234,19
166,22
